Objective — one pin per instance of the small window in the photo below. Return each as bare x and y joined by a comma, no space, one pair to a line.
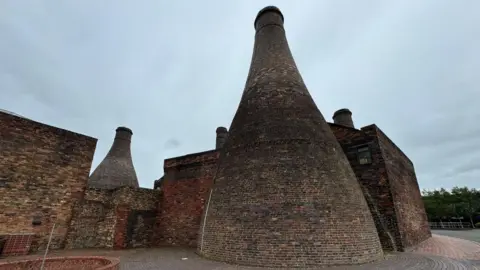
364,155
3,183
36,220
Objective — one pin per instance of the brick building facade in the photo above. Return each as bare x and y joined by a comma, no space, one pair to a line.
388,182
386,175
185,188
171,214
43,173
118,218
354,195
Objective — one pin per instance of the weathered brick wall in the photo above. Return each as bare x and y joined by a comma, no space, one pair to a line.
136,217
185,189
410,210
136,198
141,228
121,226
374,182
390,187
43,172
103,218
93,220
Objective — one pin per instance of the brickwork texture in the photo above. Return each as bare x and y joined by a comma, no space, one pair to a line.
389,185
116,169
43,172
185,188
62,263
284,187
118,218
410,211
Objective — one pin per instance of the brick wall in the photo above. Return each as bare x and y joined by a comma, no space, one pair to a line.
141,228
185,189
93,220
411,215
373,180
43,172
120,227
135,219
103,218
389,185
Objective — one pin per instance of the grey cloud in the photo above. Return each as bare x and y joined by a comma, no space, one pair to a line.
172,144
177,70
467,167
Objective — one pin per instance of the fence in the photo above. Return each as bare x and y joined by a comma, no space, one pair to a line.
16,244
450,225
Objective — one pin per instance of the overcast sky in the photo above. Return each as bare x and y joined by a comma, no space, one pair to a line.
173,71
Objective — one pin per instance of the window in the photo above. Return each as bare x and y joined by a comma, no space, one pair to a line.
36,220
364,155
3,183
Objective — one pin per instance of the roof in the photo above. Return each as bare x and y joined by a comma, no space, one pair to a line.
12,113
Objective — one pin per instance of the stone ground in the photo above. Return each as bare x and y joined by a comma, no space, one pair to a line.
472,235
439,252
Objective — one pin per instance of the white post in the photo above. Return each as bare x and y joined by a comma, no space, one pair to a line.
205,219
48,244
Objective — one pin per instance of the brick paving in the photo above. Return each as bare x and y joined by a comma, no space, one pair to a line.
450,247
439,252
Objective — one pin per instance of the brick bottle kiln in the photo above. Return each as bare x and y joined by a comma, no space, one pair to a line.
284,187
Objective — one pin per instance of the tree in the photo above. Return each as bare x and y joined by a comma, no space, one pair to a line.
437,204
468,201
444,204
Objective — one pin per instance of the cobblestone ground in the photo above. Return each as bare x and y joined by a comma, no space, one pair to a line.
439,252
450,247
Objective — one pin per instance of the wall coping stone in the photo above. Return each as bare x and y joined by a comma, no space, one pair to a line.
112,262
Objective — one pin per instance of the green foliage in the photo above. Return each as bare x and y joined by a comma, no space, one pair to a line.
459,202
477,225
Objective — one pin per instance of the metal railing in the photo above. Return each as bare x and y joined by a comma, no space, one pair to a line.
450,225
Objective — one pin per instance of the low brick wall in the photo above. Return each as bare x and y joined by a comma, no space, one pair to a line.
60,263
185,189
118,218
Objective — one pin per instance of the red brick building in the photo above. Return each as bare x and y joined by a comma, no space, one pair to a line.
389,183
386,175
280,165
43,173
171,214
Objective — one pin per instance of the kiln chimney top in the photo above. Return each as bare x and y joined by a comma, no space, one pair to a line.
343,117
221,130
119,129
116,169
277,19
222,135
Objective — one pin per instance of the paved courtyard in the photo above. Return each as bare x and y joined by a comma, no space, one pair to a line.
472,235
439,252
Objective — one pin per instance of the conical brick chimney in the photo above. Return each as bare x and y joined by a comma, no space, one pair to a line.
222,135
116,169
284,194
